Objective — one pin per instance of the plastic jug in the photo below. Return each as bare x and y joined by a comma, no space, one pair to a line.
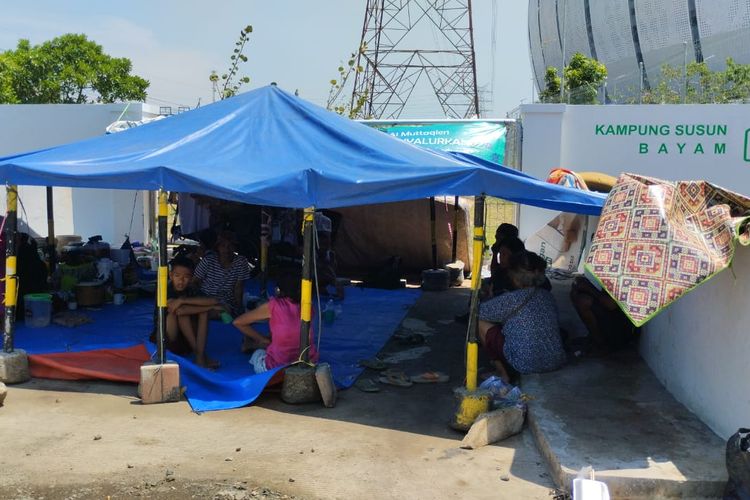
38,309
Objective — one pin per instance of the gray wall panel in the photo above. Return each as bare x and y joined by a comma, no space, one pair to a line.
573,27
663,26
535,46
610,20
550,35
724,27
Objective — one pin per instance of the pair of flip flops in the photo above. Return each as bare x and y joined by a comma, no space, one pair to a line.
410,339
374,364
395,377
367,385
400,379
430,377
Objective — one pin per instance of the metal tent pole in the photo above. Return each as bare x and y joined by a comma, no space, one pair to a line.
11,279
433,233
473,402
14,364
306,296
454,245
51,231
161,293
472,349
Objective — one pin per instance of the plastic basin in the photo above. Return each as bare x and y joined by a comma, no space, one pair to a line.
38,309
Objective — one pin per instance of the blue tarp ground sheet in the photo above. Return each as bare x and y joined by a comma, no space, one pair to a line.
368,319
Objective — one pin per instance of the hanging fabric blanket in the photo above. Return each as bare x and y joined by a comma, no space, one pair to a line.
657,240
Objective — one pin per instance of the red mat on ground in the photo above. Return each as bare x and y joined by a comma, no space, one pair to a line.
118,365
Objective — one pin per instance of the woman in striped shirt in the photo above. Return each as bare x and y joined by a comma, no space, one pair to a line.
222,273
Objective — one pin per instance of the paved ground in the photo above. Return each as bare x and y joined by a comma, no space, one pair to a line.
93,440
613,414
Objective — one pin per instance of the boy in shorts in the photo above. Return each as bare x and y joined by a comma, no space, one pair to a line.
187,314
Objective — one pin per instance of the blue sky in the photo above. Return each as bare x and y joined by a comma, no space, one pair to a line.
299,44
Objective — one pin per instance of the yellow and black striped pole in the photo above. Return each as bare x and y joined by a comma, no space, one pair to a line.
161,287
473,402
308,226
472,348
11,279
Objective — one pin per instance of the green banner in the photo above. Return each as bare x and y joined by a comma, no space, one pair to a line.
483,139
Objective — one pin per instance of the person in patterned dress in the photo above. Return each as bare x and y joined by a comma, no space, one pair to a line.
519,329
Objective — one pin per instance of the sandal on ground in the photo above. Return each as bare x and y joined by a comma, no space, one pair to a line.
399,379
430,378
373,364
367,385
413,339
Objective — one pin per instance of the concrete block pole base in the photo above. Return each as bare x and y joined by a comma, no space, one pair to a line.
159,383
300,385
14,367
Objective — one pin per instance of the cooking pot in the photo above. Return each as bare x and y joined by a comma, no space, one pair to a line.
90,293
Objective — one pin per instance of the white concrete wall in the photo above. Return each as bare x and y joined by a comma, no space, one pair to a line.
700,346
77,211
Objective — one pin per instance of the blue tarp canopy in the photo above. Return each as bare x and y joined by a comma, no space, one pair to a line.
268,147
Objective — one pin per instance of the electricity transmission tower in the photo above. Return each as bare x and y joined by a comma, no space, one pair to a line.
393,64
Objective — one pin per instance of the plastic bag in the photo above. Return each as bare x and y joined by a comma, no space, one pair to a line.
502,393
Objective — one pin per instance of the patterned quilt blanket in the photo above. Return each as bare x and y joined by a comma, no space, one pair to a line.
657,240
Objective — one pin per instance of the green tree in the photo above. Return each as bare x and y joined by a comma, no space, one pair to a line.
69,69
552,82
230,82
583,77
336,92
700,85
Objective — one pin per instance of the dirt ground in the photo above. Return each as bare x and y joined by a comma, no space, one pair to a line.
95,440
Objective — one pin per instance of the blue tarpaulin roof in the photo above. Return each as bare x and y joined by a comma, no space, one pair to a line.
268,147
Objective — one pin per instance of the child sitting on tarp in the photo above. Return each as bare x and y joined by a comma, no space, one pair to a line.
283,315
187,314
221,274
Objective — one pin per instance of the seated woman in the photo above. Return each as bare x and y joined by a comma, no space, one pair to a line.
540,266
519,329
222,273
283,315
609,328
504,231
503,253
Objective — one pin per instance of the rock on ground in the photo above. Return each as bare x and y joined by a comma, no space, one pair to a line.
494,426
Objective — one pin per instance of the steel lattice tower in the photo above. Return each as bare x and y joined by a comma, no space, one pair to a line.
391,67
